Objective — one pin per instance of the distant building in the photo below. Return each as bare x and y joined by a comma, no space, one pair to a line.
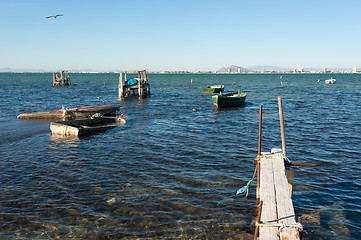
298,70
324,70
354,69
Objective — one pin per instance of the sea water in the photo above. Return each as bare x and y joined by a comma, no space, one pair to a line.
161,175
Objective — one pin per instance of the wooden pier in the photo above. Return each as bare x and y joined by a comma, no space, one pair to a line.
276,216
134,86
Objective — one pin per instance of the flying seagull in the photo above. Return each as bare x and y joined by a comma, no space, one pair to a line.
55,16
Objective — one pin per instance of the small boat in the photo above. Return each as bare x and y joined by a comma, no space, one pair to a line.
233,99
330,81
213,89
72,113
83,127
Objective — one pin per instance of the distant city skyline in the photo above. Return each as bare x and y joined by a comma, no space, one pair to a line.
188,35
231,69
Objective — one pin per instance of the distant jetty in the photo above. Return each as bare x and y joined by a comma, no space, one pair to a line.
134,86
61,78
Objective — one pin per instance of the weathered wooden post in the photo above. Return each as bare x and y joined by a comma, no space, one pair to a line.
258,220
259,131
259,150
120,86
282,126
61,78
289,173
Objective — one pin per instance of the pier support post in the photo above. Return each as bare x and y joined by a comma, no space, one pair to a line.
259,150
282,126
256,232
120,86
259,131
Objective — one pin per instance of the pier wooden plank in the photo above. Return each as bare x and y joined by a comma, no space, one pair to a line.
267,189
285,211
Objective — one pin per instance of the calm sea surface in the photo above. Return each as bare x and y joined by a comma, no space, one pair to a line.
162,174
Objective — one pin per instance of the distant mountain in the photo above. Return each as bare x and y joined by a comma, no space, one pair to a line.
232,69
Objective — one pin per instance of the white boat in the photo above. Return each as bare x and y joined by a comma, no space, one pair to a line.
330,81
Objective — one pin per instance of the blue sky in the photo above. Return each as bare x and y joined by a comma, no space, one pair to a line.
189,35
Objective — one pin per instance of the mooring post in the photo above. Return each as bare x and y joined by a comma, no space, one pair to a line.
259,131
256,231
120,86
282,125
259,150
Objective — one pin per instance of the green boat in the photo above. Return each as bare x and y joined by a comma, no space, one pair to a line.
213,89
233,99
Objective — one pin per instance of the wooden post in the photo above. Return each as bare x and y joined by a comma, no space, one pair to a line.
290,174
259,130
120,86
282,125
259,150
258,220
61,78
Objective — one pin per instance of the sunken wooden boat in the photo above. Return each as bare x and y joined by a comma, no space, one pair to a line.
72,113
213,89
233,99
82,127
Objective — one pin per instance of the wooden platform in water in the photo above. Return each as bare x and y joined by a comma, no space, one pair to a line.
277,215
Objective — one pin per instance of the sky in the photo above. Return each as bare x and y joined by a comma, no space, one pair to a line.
183,35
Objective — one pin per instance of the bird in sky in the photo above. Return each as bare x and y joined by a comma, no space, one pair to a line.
55,16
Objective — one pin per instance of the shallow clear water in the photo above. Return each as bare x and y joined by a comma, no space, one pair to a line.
162,174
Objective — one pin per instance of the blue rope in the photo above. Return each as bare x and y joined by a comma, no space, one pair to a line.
240,191
243,190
